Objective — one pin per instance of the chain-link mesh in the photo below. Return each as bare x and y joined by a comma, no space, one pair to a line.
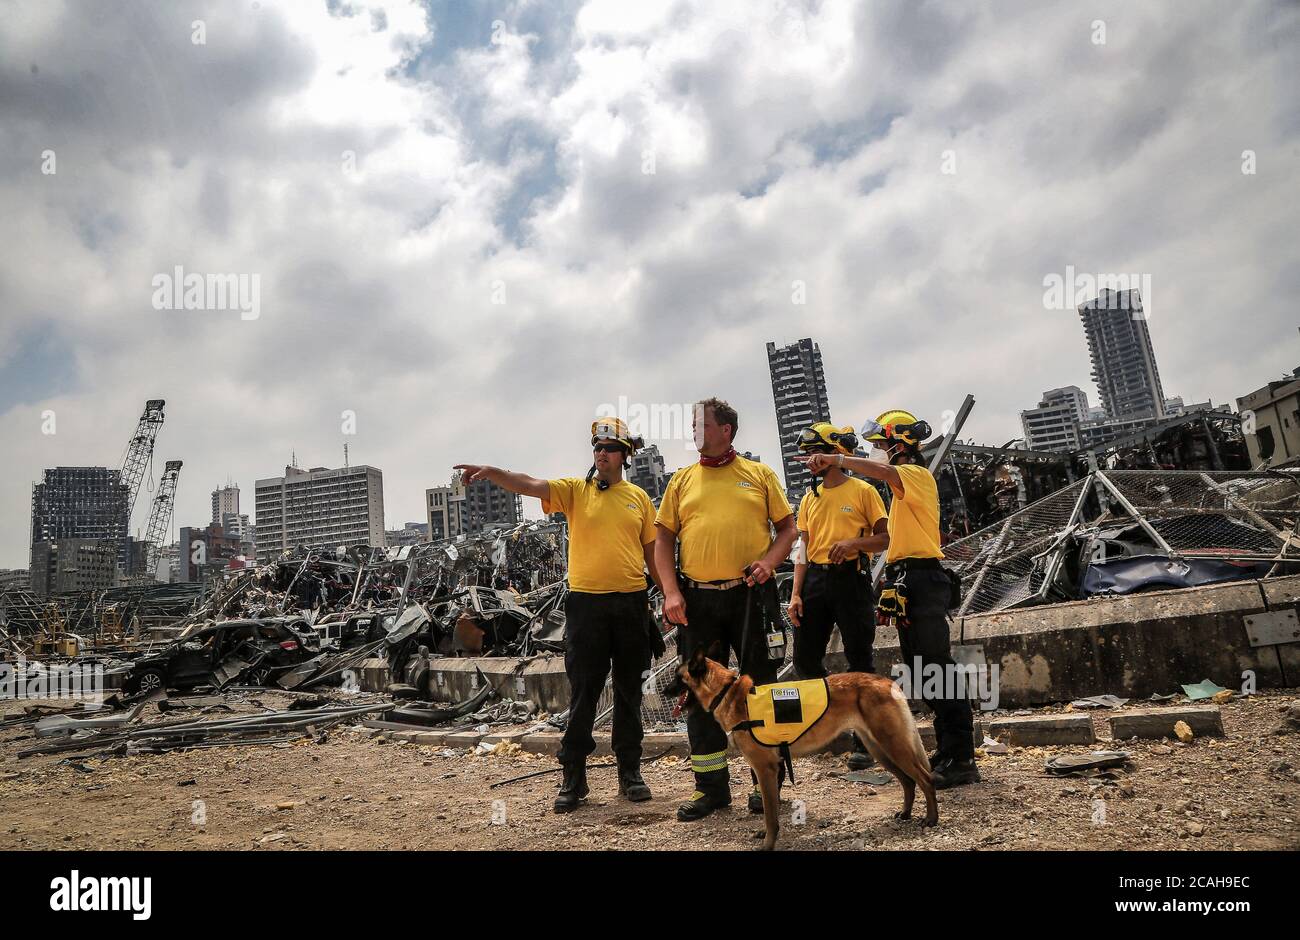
1236,515
1231,515
1005,564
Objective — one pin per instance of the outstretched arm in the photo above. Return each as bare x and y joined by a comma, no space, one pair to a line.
876,469
520,483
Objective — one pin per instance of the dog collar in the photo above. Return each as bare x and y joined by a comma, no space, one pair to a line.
723,694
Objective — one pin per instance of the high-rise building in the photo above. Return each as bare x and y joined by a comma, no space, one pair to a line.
648,472
488,504
1123,363
80,503
225,501
1054,424
319,508
457,509
799,393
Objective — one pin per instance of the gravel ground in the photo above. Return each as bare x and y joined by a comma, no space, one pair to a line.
357,791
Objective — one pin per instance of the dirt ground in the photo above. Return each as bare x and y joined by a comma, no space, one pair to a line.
358,791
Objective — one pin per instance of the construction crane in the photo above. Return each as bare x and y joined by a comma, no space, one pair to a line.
139,453
160,517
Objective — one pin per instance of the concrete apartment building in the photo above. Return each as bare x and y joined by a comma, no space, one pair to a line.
1054,424
799,393
319,508
225,501
648,472
1274,413
1123,362
455,509
73,564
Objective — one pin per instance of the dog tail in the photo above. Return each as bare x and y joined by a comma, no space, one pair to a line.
909,725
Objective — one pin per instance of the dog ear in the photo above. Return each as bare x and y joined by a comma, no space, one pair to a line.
714,649
696,666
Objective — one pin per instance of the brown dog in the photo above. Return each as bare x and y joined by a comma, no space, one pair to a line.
870,706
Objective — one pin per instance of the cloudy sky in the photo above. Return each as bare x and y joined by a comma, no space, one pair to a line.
471,223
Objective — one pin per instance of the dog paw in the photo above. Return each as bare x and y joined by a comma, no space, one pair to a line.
929,823
902,815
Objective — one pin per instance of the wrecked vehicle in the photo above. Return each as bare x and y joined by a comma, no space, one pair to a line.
254,651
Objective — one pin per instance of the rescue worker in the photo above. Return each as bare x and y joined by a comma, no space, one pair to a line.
719,513
841,523
607,612
919,590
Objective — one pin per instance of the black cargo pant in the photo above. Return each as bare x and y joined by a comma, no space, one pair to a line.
600,631
835,595
719,616
925,635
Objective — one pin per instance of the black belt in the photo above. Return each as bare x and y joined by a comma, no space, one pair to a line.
914,564
831,566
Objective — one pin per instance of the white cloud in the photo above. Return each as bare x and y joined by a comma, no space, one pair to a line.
790,141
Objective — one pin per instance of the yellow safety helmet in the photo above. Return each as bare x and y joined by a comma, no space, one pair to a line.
825,434
613,429
896,425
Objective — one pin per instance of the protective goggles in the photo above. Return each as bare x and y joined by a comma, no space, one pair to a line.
910,433
810,438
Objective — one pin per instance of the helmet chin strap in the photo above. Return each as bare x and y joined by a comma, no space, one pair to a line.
601,484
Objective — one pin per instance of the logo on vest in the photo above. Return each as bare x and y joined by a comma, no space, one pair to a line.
785,695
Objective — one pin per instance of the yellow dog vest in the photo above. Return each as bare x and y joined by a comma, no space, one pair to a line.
780,713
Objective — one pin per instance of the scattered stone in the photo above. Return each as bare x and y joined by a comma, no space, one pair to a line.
1184,731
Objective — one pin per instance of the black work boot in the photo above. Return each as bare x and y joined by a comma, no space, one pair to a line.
631,785
859,757
701,804
572,789
955,773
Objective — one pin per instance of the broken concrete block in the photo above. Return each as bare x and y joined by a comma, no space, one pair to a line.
926,730
1034,730
435,738
542,742
1160,722
463,739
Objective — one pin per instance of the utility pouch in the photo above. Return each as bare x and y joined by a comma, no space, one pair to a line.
954,588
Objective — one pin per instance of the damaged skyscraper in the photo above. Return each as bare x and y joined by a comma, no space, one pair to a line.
799,392
1123,362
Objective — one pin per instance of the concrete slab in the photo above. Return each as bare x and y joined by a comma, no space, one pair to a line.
1037,730
1159,722
463,739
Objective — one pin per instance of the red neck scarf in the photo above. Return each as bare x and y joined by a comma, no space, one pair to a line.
722,461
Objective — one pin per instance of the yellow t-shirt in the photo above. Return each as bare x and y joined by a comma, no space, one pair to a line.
720,516
608,530
847,511
914,515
